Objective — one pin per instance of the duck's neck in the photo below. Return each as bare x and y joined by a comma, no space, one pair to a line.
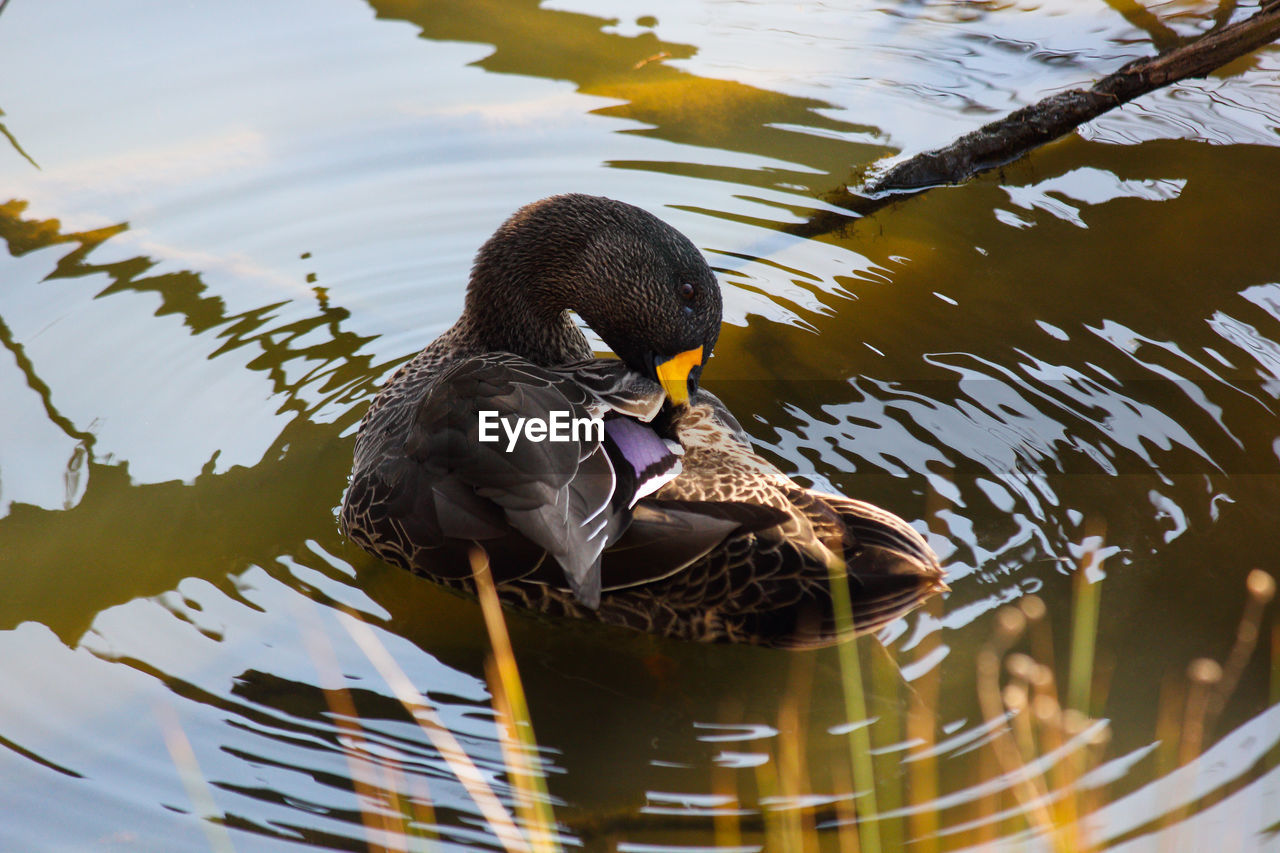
520,320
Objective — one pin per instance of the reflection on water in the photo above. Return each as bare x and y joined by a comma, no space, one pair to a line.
207,279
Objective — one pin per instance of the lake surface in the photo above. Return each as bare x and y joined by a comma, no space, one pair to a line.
226,224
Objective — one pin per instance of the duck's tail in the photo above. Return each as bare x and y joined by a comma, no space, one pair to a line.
887,565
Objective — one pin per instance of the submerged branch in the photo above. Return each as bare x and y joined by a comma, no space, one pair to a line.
1006,139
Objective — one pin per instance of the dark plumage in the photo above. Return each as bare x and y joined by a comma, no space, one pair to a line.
671,523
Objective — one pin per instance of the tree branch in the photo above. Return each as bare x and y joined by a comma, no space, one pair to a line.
1005,140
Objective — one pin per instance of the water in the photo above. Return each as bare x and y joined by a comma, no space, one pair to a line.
226,226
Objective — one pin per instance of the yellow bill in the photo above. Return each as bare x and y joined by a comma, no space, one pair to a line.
674,374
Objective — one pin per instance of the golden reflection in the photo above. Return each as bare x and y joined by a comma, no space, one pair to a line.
123,540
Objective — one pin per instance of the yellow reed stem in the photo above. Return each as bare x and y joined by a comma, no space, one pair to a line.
1045,719
1274,760
1168,721
516,759
347,721
846,814
792,769
509,691
775,836
1039,631
985,808
922,725
1010,624
424,813
726,822
494,813
396,821
184,758
1071,723
1204,674
1261,588
922,718
1275,663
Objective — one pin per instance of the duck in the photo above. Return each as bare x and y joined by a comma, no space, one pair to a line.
658,515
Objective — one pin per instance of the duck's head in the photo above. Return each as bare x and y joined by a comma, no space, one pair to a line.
641,285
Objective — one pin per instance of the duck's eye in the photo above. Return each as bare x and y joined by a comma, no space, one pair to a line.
686,290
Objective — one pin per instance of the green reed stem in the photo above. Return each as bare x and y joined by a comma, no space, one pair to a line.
886,681
855,708
1084,622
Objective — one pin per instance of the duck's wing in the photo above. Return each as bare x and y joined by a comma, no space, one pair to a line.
668,536
558,494
485,490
